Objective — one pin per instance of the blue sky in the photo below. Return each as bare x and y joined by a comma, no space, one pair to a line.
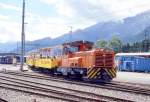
52,18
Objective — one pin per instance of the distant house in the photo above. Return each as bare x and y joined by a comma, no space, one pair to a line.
8,58
9,54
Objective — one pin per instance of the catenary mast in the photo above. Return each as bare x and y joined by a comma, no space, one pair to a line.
22,37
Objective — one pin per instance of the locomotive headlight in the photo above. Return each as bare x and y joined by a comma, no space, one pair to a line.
72,72
92,54
92,66
81,72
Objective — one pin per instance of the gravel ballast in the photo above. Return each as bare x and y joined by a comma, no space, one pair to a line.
113,93
16,96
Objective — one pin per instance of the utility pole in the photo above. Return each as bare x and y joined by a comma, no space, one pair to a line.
22,37
71,29
70,33
145,41
145,35
17,48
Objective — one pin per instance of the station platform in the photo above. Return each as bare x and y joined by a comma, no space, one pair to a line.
12,67
133,77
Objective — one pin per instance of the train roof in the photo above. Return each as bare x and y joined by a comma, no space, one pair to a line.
134,54
77,43
74,43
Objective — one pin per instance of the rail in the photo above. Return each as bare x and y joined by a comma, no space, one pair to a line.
51,88
111,85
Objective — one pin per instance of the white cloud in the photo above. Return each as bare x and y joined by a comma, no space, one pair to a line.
104,10
9,6
51,2
62,7
77,13
52,26
10,26
4,17
81,14
46,26
100,10
9,31
120,9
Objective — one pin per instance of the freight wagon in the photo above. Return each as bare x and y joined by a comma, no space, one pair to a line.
132,63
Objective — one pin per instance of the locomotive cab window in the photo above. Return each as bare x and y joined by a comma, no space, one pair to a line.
70,49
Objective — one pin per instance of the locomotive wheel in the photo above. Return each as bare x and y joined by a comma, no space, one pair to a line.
74,77
104,76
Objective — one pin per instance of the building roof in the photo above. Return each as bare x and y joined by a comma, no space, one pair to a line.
8,54
134,54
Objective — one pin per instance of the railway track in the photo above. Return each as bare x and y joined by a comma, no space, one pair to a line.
77,96
29,90
2,100
111,85
47,93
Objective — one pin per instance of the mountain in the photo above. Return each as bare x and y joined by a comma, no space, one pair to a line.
39,43
129,26
30,45
145,34
7,47
128,30
125,29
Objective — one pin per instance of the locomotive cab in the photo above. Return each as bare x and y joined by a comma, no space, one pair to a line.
77,46
72,64
79,60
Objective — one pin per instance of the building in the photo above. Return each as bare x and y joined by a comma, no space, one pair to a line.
9,58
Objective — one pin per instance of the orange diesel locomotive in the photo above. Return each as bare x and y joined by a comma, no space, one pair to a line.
78,59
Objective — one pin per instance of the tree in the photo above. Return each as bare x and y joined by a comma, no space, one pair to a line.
126,47
101,43
115,44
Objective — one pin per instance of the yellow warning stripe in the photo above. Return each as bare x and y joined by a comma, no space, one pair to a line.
114,71
97,75
91,74
112,74
108,72
89,70
93,70
94,74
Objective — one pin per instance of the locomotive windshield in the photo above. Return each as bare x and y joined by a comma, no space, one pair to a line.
77,46
73,49
70,49
56,52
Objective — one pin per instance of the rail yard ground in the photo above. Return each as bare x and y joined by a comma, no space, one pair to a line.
130,77
11,67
